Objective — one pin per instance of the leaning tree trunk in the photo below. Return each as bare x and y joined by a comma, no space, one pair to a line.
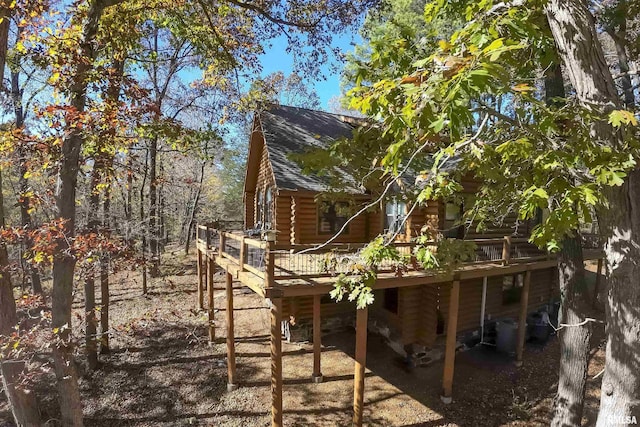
574,30
574,341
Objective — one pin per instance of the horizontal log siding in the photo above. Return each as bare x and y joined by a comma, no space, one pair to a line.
543,289
418,305
282,214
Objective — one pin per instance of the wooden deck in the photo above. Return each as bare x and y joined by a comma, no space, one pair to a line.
299,270
279,271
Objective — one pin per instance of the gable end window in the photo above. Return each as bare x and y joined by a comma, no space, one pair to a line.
332,216
264,209
259,203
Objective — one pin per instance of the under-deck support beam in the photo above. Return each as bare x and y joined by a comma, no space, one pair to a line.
200,280
276,358
361,359
317,340
522,321
450,347
231,346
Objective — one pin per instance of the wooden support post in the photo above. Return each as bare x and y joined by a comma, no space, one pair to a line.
276,357
242,253
361,359
223,239
231,346
522,322
450,349
506,250
596,289
207,237
211,268
317,340
200,284
269,267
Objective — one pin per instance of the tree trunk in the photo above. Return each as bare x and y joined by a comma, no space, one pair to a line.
113,96
619,37
574,30
23,181
154,261
574,341
24,404
64,264
8,317
104,280
143,240
128,212
192,217
90,284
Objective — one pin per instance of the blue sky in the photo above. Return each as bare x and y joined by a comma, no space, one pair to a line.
277,59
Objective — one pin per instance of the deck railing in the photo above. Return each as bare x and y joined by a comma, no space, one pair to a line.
271,261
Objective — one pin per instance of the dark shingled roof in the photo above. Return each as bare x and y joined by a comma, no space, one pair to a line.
297,130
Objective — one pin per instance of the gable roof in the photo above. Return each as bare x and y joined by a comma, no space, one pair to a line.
293,130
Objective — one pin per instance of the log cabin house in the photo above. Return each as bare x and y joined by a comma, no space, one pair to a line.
287,266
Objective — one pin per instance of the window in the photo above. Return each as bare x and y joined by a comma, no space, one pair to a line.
268,209
259,203
332,216
395,212
391,300
512,288
452,217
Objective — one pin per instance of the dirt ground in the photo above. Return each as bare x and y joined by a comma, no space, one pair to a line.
163,372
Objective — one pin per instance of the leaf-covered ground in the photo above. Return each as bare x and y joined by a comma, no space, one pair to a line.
163,372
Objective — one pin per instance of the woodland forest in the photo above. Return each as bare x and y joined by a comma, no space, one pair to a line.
124,124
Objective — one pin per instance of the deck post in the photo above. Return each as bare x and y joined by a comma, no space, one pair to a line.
506,250
242,253
231,346
269,266
317,340
223,239
596,289
200,280
361,359
522,322
275,296
211,269
450,348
